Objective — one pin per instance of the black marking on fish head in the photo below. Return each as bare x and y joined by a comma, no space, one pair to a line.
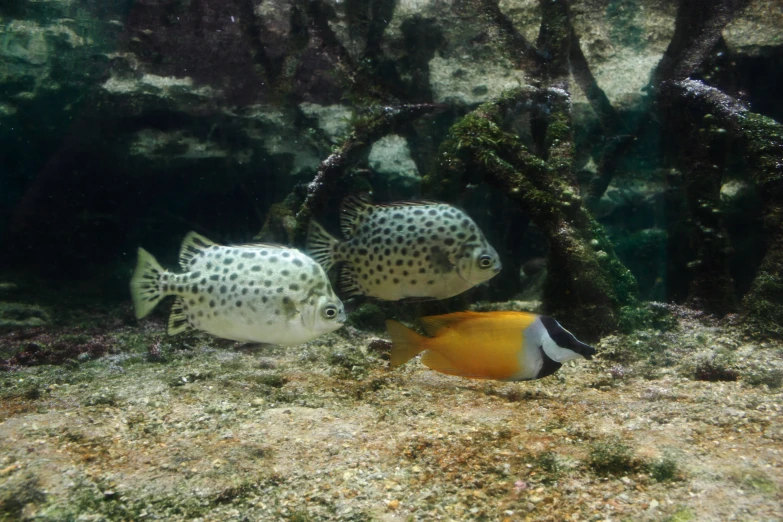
565,339
549,365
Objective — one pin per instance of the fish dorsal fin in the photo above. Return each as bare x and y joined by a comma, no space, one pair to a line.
191,246
353,210
272,246
409,203
178,320
433,324
435,361
348,282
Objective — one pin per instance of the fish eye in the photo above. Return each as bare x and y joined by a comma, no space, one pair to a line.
485,261
330,312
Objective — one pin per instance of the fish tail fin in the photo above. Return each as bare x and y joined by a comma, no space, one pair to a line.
320,245
406,343
145,285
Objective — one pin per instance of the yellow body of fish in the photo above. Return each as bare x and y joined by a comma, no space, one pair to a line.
488,345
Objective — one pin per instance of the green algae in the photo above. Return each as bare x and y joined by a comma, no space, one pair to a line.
585,278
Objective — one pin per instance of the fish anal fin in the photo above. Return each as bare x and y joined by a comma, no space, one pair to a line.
353,210
436,361
348,283
178,320
191,246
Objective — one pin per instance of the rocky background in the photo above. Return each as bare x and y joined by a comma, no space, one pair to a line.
128,123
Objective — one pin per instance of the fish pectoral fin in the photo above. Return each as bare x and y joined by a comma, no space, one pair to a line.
191,246
178,320
435,361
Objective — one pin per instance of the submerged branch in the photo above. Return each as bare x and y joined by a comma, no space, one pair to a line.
697,29
762,139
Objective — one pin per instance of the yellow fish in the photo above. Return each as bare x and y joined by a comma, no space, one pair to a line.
506,346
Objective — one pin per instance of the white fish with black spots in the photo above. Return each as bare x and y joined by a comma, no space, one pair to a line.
250,293
405,250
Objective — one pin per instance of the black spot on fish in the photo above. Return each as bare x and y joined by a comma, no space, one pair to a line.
209,266
293,287
411,228
432,212
400,240
210,289
398,215
192,302
233,288
431,282
248,255
395,281
240,266
404,273
297,262
264,298
465,223
448,241
201,299
409,220
400,227
212,303
258,291
273,259
180,289
303,277
234,277
223,289
286,273
238,304
379,268
398,262
225,270
422,271
194,289
416,253
203,280
413,281
195,275
410,262
362,251
165,288
222,302
404,251
279,289
472,237
435,237
255,268
286,254
267,283
418,212
377,281
453,228
461,235
228,260
382,221
264,252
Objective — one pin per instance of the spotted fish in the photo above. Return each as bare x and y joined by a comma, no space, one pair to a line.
404,250
250,293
